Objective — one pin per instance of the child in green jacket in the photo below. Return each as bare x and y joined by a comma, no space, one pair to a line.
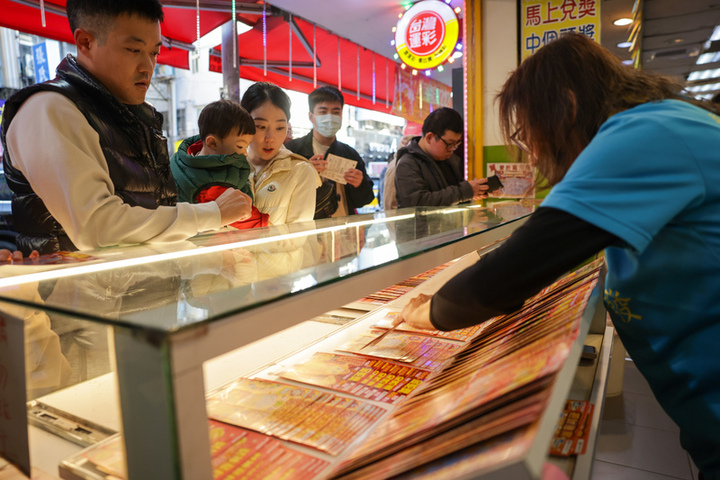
206,165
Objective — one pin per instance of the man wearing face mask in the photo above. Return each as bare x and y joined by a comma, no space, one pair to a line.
333,200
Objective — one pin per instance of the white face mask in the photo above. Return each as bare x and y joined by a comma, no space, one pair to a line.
328,125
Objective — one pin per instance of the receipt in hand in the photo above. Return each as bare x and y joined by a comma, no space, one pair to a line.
336,168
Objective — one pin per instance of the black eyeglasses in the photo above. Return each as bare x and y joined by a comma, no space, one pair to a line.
450,147
518,143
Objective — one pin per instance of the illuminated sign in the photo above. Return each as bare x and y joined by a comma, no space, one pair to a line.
545,20
426,34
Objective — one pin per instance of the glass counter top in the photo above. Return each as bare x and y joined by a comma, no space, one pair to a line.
211,276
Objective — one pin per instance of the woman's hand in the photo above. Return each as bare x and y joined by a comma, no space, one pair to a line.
416,313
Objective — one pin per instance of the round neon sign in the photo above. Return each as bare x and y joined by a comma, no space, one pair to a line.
427,34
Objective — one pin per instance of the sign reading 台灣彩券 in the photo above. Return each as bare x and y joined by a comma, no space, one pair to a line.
426,34
544,21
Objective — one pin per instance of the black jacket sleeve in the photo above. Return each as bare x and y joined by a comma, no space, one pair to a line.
548,245
363,194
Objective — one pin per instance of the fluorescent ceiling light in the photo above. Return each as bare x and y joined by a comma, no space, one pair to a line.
621,22
704,88
716,34
624,45
703,74
708,58
214,37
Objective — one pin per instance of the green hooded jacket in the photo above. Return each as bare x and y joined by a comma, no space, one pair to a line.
193,174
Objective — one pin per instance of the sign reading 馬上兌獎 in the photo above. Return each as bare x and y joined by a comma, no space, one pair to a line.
544,21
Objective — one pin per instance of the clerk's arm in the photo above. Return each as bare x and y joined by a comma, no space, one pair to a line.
57,150
548,245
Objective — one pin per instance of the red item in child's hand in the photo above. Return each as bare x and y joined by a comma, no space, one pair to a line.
257,219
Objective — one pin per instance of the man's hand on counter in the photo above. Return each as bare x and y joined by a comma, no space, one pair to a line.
235,206
6,256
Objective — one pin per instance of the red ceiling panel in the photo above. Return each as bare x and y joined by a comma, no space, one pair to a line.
180,24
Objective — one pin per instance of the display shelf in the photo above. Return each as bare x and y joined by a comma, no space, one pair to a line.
526,466
173,308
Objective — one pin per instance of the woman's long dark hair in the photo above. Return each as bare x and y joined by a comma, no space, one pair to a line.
558,98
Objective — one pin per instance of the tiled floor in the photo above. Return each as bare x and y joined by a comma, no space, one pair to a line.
638,441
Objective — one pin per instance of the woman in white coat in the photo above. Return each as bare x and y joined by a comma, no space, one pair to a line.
283,183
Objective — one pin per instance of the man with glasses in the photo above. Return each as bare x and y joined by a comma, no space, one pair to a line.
428,173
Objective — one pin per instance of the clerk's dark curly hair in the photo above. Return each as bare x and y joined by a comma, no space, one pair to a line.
557,99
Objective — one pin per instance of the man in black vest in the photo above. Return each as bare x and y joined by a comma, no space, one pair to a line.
85,155
326,105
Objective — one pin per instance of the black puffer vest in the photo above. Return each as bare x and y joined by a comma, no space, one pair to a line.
131,139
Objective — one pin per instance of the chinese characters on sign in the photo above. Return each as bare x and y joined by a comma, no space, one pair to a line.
416,96
427,34
518,179
544,21
41,63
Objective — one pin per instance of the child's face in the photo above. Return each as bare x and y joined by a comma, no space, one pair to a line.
233,144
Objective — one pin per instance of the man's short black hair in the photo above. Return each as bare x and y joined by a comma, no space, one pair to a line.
325,94
223,118
441,120
97,16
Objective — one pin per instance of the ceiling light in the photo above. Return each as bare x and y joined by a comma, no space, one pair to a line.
624,45
704,74
621,22
627,62
708,58
716,34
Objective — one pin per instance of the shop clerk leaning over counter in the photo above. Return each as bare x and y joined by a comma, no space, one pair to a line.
84,153
283,183
635,169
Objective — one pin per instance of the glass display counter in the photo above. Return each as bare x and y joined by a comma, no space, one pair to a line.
169,321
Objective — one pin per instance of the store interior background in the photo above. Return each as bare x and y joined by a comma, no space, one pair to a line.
682,39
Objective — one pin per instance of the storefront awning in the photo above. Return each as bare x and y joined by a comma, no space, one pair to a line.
367,79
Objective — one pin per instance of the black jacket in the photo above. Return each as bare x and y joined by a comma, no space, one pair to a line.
356,197
420,182
132,142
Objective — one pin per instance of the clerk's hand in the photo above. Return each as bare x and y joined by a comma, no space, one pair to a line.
234,206
416,313
6,256
354,177
479,187
318,161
